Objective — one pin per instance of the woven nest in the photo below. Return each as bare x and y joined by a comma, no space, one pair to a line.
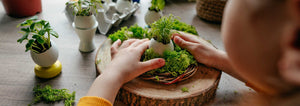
167,78
210,10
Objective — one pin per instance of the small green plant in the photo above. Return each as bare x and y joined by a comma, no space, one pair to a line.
50,95
161,29
184,89
40,30
84,7
157,5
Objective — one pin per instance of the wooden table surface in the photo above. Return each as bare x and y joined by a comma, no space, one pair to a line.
17,77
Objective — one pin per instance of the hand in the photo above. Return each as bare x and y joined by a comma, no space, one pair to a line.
125,66
205,53
126,59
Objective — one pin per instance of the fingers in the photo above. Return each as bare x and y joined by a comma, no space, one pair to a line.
115,46
187,37
139,42
182,43
128,43
151,64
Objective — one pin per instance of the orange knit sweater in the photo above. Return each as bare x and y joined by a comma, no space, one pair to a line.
93,101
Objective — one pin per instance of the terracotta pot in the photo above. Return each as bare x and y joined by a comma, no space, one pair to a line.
47,58
22,8
159,47
152,16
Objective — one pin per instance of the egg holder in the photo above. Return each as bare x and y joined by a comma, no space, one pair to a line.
108,15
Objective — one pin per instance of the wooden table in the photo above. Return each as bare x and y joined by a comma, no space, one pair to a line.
16,66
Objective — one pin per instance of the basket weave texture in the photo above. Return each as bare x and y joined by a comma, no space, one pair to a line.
211,10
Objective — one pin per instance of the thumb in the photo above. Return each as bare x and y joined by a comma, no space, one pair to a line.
181,42
152,64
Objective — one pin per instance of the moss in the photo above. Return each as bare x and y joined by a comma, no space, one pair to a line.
120,34
184,89
50,95
176,62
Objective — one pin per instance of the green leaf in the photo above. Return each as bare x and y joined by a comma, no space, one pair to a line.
42,32
24,37
29,44
40,40
32,26
53,33
25,29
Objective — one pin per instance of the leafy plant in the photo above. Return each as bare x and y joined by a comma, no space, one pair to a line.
157,5
161,29
50,95
40,30
84,7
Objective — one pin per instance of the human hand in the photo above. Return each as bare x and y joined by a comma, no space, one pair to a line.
203,51
126,64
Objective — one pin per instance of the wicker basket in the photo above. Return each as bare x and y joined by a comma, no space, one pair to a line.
210,10
167,78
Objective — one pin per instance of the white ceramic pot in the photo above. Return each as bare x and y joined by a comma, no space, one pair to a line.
121,5
85,22
159,47
46,58
152,16
86,37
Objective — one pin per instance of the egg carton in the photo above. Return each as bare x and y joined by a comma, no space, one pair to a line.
108,15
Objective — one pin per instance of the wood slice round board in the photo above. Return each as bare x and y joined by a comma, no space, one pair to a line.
201,86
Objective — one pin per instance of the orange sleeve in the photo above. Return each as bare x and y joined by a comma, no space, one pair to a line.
93,101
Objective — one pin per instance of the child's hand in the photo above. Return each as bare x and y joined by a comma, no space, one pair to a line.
205,53
126,63
202,51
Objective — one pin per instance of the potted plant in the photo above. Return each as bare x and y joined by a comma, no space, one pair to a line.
161,32
85,23
43,50
22,8
155,11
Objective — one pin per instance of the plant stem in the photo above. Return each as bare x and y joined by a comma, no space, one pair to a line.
48,40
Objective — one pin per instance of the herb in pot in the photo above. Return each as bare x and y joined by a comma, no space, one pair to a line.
40,30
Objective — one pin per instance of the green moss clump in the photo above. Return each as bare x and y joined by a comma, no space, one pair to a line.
120,34
184,89
181,26
137,32
49,95
176,62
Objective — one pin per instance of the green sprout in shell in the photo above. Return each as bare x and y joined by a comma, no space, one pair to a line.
40,32
161,29
157,5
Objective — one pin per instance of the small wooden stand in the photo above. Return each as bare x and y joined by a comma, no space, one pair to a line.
201,86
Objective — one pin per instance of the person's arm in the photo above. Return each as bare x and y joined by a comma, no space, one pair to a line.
125,66
205,53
